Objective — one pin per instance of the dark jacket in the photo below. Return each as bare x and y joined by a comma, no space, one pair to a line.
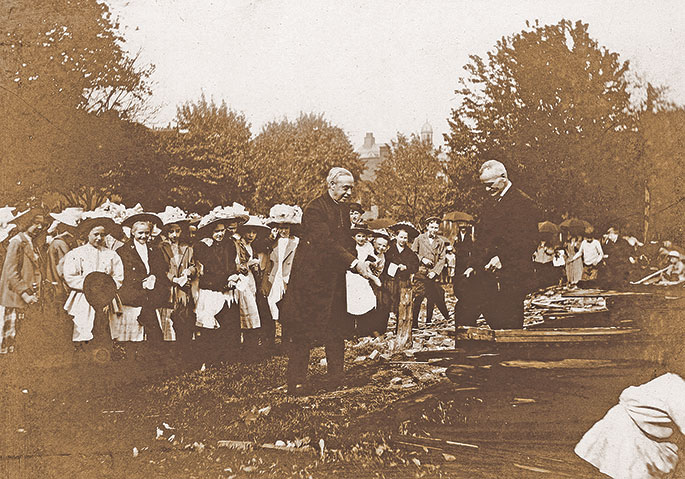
218,263
464,252
315,303
508,229
407,257
132,292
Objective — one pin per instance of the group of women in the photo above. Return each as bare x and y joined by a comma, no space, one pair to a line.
208,286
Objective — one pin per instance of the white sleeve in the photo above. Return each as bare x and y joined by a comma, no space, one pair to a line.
73,272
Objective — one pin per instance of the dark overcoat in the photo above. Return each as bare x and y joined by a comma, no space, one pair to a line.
508,229
315,304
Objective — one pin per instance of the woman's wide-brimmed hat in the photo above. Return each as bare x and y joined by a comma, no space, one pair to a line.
406,226
222,214
284,215
7,217
99,289
70,216
381,233
256,223
173,215
87,225
136,214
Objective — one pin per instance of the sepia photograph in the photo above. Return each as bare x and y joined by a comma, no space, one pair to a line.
342,239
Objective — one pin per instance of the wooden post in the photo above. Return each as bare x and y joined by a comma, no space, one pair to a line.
404,319
647,213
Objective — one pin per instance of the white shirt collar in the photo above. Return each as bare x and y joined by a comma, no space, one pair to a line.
142,252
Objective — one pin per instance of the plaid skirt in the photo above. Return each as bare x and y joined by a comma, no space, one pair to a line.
8,319
124,326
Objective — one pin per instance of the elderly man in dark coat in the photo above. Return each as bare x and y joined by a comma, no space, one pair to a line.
506,239
314,307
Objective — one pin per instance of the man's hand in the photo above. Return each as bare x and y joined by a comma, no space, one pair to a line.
431,275
29,298
402,267
494,264
468,272
362,267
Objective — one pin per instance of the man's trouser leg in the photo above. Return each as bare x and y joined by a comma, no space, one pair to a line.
436,297
335,356
298,362
467,293
506,307
419,293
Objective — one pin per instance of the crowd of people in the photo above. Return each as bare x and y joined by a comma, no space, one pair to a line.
219,287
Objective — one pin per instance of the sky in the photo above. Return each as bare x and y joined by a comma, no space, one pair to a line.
381,66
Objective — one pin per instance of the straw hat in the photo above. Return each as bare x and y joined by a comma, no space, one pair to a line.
284,215
223,214
70,216
173,215
255,222
99,289
87,225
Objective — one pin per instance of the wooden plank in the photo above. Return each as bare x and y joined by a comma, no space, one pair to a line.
544,335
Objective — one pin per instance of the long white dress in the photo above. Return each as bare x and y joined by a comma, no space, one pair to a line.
78,263
632,441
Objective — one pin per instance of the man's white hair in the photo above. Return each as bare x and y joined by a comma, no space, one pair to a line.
335,173
493,168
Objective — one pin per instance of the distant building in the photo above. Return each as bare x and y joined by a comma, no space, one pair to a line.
372,154
427,133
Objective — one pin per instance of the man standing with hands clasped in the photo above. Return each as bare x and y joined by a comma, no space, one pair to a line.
430,248
506,239
314,307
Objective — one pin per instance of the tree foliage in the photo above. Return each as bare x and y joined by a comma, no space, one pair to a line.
555,107
411,183
67,90
292,158
209,156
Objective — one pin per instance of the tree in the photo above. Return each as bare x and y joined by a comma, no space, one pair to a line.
556,109
411,184
209,156
292,159
663,131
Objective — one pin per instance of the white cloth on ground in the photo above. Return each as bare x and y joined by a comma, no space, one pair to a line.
619,444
